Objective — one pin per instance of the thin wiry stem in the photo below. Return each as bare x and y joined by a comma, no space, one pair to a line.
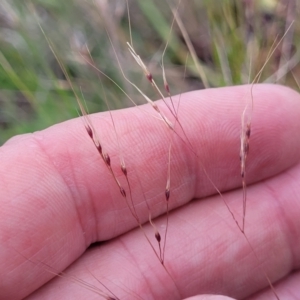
246,128
88,61
121,156
74,279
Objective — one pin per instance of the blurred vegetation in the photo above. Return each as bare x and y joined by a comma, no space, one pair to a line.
231,39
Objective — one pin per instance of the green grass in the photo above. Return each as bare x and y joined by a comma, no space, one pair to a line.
34,93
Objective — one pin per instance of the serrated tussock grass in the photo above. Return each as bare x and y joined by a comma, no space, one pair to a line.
232,27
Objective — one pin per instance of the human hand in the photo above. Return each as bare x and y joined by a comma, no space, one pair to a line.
57,198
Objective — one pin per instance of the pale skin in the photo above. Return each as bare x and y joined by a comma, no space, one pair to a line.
57,198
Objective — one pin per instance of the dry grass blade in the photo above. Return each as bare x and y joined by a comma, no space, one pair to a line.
191,48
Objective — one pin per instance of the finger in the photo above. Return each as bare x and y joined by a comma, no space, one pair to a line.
61,191
288,289
206,253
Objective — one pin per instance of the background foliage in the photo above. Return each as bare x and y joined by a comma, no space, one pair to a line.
231,39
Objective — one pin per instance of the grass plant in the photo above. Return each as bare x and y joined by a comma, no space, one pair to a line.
55,54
